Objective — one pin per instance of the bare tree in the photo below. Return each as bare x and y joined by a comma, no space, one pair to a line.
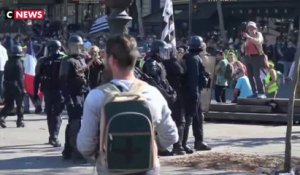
140,18
290,115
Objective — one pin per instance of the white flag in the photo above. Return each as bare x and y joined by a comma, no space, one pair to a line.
168,33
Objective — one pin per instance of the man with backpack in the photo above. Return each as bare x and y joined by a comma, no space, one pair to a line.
195,80
121,118
74,86
221,77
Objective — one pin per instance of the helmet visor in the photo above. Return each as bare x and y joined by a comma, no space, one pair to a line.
164,53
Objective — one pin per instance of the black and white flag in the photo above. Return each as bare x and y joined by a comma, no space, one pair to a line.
100,25
168,34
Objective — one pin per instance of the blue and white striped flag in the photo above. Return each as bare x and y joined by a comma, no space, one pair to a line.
168,34
100,25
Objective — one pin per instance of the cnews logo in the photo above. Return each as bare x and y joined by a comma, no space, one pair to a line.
25,14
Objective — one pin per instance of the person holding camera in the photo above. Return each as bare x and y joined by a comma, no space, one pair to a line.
255,58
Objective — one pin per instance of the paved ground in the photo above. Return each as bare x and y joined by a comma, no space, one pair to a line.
23,151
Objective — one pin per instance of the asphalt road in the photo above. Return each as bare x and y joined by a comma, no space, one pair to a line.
23,151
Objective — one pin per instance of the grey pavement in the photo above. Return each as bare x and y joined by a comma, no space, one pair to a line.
23,151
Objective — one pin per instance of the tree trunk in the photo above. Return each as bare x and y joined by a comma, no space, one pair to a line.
190,17
290,115
221,22
140,18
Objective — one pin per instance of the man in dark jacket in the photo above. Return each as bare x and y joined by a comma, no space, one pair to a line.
155,69
47,75
74,87
194,82
14,86
175,75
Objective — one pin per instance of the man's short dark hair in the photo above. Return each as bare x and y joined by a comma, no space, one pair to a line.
124,49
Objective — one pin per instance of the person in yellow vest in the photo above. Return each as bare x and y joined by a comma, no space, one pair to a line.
271,82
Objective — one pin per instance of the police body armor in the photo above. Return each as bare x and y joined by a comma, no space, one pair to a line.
156,71
49,70
72,75
153,69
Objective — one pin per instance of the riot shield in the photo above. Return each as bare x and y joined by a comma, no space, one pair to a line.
209,63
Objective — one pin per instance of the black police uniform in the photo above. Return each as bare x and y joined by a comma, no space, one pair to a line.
192,88
47,75
175,75
74,88
14,86
155,68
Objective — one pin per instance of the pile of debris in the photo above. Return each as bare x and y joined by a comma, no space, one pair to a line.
257,164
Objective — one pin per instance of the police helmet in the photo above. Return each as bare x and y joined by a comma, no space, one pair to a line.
196,43
54,44
75,39
17,51
53,47
158,44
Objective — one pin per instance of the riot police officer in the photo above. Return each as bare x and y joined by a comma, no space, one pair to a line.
153,65
47,76
175,75
74,87
154,68
14,86
194,82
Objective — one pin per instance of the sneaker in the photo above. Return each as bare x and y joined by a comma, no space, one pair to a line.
252,96
261,96
54,142
200,146
2,123
188,150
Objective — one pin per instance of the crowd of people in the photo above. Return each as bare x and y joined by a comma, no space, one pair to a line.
63,78
84,77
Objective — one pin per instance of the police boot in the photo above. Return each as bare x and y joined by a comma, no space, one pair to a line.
67,149
165,153
20,123
201,146
2,122
186,148
38,110
177,147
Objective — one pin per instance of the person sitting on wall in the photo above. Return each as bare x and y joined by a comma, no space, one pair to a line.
243,87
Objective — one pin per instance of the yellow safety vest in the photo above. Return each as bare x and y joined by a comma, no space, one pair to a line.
272,87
